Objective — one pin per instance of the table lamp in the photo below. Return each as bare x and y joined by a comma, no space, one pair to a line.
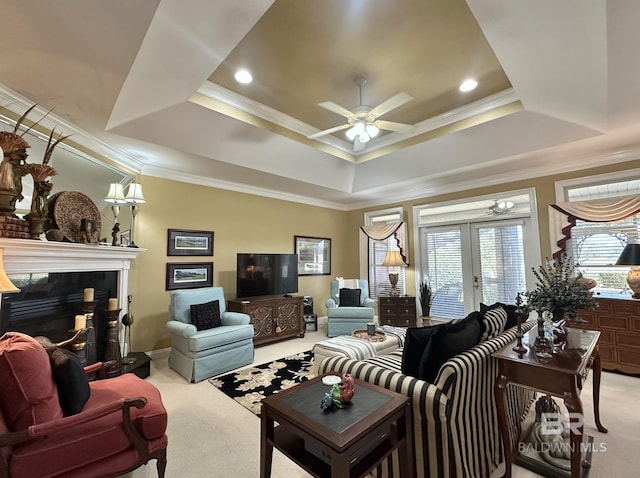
6,286
393,259
134,197
631,257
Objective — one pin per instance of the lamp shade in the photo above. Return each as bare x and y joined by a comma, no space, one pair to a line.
134,194
630,256
6,286
393,259
115,194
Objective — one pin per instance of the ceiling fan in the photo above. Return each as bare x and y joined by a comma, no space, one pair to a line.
362,121
500,207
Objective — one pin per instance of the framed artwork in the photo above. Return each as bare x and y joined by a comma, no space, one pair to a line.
184,242
125,238
189,275
314,255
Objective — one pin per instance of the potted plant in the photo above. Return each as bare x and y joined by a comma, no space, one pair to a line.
426,296
559,291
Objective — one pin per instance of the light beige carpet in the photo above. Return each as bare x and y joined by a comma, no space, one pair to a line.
212,436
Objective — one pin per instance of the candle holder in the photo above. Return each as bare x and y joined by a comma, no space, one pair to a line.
542,344
91,349
127,321
112,352
519,348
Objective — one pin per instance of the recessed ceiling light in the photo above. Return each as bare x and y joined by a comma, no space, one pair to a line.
468,85
243,76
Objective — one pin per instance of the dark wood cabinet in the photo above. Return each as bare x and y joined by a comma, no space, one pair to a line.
399,311
273,317
618,320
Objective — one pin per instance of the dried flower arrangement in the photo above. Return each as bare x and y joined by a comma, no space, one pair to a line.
559,291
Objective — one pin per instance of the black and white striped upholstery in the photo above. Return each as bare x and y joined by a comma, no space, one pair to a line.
455,419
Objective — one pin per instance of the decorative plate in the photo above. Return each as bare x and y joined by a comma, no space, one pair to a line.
331,380
69,210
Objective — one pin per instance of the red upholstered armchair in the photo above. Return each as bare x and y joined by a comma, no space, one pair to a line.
120,427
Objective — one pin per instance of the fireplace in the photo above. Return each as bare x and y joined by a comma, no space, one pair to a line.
52,277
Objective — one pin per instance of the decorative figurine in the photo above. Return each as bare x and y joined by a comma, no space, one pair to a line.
346,388
331,399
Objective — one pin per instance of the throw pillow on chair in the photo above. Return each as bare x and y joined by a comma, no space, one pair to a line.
350,297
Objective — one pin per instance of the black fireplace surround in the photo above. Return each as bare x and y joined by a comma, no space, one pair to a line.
48,303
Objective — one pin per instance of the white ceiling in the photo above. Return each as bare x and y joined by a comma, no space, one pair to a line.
138,79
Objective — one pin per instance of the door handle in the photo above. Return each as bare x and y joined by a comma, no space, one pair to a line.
475,281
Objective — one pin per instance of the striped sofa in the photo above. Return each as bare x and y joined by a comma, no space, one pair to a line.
455,418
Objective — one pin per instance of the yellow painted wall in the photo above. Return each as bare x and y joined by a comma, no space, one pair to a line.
247,223
241,223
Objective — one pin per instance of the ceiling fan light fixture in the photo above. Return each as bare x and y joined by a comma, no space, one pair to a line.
351,133
372,130
364,137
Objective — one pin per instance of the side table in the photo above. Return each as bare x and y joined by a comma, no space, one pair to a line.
344,443
397,310
561,375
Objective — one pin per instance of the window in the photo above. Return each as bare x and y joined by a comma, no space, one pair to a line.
376,251
595,246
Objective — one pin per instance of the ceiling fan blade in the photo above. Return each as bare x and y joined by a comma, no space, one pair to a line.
328,131
336,108
392,126
392,103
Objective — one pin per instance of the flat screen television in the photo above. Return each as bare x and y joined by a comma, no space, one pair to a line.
266,274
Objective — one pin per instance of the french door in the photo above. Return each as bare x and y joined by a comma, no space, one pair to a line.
470,263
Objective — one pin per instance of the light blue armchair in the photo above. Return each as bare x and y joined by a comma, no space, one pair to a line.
344,320
197,355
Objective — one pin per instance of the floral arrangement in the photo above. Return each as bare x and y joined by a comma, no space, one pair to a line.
559,291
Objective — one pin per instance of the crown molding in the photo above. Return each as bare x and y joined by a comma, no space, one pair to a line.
175,175
18,104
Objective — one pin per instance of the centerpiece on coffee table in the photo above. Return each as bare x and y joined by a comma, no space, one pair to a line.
362,334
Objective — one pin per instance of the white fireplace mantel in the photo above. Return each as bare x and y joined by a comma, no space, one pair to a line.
26,256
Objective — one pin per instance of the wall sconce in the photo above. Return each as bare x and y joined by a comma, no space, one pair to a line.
134,197
393,259
6,286
631,257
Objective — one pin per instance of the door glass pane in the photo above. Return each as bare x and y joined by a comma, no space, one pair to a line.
502,266
443,254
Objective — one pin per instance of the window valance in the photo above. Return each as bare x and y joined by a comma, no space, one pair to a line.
380,232
563,216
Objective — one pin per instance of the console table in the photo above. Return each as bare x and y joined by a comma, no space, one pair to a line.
397,310
560,376
273,317
344,443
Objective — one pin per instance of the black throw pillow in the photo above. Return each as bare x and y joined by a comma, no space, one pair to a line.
71,380
449,340
417,340
350,297
510,309
206,316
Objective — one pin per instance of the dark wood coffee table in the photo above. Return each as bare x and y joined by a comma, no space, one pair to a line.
347,442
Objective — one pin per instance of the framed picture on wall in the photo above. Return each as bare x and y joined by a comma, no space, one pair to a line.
189,275
185,242
314,255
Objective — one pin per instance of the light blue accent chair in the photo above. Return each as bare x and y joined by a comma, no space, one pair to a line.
197,355
344,320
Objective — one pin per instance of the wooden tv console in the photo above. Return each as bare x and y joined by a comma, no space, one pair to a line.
273,317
